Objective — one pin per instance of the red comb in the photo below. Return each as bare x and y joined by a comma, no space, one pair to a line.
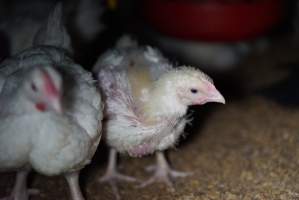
49,86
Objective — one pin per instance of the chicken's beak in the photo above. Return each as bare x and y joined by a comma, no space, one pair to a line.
215,96
211,95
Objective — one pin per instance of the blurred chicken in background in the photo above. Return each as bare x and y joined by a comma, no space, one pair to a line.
51,111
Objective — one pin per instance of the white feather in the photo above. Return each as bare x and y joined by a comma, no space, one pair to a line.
126,128
52,144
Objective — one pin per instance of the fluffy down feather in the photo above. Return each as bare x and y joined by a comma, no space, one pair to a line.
125,119
147,99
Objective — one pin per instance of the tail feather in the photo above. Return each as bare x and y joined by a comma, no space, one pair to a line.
54,33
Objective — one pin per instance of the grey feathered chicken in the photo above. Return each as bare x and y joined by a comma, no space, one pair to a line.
51,111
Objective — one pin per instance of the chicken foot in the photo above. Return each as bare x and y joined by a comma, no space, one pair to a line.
73,182
112,175
20,191
163,172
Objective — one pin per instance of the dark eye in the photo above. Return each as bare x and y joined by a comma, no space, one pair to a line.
33,87
194,91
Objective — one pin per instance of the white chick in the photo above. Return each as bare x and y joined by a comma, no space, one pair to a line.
146,104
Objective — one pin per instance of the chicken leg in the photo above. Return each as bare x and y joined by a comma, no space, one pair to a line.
20,191
112,175
163,172
73,182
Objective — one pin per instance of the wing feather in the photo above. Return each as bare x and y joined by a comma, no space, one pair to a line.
117,70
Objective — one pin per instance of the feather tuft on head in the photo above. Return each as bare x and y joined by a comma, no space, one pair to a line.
194,72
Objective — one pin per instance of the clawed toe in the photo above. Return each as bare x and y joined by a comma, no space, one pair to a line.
165,176
113,178
163,173
117,177
178,174
157,178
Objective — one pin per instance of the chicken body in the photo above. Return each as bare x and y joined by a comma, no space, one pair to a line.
146,103
74,130
52,136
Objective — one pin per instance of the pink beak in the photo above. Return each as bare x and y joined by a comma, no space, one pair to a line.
212,95
215,96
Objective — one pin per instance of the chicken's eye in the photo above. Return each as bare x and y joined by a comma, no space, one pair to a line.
194,91
33,87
